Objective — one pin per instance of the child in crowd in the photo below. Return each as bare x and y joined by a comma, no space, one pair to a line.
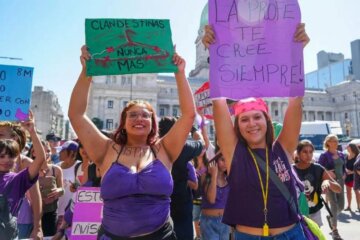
14,185
216,190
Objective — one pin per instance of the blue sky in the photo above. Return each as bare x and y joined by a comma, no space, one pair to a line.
48,34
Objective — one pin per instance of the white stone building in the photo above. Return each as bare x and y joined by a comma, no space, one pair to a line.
47,111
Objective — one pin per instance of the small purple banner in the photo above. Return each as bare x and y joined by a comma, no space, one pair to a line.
87,214
254,54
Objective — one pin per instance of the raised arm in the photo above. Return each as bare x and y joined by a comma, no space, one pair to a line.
224,127
92,139
39,151
174,140
225,133
289,136
210,188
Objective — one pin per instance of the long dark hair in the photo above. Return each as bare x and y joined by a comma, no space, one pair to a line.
303,143
9,147
217,156
120,135
269,131
354,149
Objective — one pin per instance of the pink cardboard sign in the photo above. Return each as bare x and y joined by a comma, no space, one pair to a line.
87,214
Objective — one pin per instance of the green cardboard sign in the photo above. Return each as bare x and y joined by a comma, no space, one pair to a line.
125,46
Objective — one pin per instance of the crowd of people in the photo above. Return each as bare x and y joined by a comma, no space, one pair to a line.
174,186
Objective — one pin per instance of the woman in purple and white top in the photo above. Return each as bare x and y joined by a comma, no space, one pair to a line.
215,191
334,162
135,164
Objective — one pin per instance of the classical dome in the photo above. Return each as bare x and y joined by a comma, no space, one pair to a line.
204,16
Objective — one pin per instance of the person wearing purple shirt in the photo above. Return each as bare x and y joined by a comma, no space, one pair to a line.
254,202
353,152
334,162
216,190
357,181
14,185
192,179
135,164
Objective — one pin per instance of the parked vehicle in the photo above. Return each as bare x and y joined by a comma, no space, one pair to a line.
317,131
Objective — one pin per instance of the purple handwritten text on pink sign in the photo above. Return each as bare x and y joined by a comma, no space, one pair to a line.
254,54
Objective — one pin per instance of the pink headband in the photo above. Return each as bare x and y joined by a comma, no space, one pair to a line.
249,104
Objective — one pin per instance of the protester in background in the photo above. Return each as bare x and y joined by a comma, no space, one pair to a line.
82,172
51,188
357,182
315,178
14,185
30,210
181,197
192,180
252,134
69,166
54,142
201,170
353,152
135,164
334,162
216,190
91,178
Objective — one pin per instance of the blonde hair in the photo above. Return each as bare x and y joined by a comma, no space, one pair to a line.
328,138
9,126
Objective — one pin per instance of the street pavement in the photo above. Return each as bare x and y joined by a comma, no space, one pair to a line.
348,222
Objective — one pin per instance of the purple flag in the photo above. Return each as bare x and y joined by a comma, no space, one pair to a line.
254,54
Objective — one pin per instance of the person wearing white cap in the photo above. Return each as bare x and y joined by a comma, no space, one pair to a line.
68,163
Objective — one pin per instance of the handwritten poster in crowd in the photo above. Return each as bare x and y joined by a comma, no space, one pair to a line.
125,46
203,101
255,54
87,214
15,92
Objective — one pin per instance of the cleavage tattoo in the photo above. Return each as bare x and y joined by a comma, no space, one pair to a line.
138,151
135,151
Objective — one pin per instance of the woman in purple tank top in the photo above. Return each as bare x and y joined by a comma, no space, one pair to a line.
135,164
215,193
255,206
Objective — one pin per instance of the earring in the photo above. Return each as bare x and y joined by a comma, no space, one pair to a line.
123,131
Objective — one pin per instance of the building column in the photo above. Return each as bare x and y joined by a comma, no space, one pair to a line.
170,109
269,107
